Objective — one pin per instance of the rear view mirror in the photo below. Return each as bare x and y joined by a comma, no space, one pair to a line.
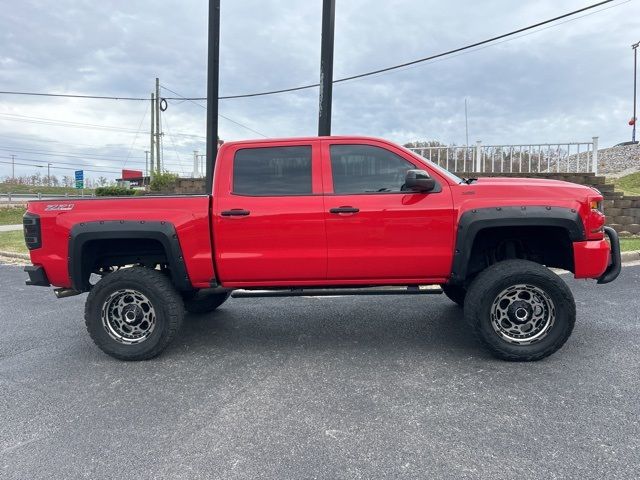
419,181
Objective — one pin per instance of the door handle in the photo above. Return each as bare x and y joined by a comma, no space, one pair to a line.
344,210
235,212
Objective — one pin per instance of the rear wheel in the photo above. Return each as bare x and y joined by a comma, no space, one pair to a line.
133,313
205,301
520,310
455,293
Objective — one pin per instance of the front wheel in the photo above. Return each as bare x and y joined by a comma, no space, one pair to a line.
133,313
520,310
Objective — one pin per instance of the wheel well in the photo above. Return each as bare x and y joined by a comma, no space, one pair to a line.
101,255
547,245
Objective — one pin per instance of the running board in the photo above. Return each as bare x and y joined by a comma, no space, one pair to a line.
339,292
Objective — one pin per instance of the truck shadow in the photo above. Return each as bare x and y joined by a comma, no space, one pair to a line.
294,324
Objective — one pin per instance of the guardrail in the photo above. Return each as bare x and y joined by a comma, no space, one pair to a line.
24,197
564,157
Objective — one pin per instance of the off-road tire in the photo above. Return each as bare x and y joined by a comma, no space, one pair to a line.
455,293
489,284
156,287
204,301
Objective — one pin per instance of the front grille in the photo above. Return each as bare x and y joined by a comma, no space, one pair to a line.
32,233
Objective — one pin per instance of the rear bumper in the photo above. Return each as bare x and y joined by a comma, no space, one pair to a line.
598,259
37,276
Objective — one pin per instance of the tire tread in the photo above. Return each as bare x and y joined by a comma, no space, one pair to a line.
154,280
479,290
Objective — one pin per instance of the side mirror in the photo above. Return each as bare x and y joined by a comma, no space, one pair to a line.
419,181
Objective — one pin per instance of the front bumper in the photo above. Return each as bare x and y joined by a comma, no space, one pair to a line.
613,269
598,259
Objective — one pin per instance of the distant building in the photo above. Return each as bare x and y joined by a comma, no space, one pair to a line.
134,178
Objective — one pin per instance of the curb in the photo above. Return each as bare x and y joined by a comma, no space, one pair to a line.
630,256
19,256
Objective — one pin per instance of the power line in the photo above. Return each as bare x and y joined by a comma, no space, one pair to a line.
57,168
75,164
62,123
136,137
174,145
28,138
219,114
69,95
340,80
92,156
81,158
425,59
516,37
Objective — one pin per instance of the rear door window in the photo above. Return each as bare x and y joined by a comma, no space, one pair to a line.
272,171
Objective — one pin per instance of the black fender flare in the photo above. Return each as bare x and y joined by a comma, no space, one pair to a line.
473,221
162,231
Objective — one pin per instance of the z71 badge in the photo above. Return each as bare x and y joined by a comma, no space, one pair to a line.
59,207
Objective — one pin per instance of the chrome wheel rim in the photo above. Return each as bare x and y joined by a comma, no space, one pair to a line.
128,316
522,314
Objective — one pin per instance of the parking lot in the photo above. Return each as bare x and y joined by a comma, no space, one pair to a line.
351,387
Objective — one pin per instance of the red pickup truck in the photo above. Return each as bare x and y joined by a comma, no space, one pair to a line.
327,216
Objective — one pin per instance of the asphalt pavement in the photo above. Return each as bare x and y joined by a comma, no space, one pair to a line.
292,388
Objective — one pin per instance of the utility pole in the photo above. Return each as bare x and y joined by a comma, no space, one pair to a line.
158,149
213,77
466,124
326,66
152,146
49,174
195,164
146,166
13,167
635,71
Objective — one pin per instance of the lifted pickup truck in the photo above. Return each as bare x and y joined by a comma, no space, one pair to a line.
327,215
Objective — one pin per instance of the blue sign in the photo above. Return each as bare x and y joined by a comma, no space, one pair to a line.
79,178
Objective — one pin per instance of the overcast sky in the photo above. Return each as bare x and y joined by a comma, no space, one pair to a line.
565,83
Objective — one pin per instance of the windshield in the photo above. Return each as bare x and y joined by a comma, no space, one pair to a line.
435,166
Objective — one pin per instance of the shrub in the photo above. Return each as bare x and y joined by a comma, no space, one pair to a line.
163,182
114,192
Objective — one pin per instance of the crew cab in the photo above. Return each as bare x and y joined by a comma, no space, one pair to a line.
327,216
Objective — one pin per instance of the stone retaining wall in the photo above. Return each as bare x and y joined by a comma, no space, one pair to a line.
619,160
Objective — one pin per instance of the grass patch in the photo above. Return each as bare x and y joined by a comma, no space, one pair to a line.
11,215
628,244
13,242
629,184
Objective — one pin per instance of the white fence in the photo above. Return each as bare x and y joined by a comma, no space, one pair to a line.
568,157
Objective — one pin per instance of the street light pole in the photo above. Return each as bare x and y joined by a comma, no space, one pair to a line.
635,70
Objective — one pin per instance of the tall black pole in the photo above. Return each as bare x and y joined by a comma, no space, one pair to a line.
213,69
635,71
326,66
